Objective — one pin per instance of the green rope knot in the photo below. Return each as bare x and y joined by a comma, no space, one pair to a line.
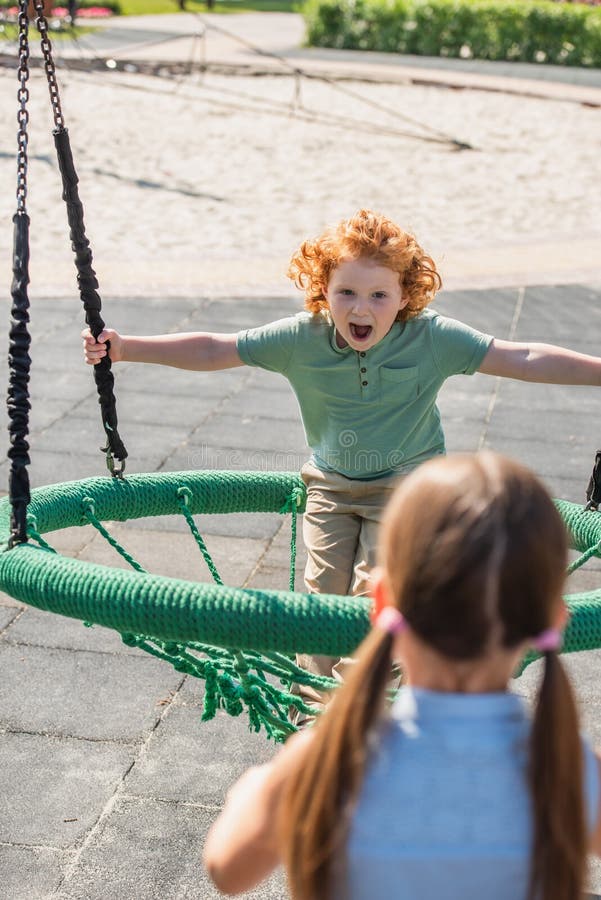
229,695
293,501
32,532
131,640
181,665
88,508
185,494
236,683
242,666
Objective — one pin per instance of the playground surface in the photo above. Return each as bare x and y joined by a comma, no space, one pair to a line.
195,196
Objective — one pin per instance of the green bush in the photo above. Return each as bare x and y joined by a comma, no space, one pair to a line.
357,24
526,30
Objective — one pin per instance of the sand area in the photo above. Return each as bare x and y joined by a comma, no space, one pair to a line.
207,183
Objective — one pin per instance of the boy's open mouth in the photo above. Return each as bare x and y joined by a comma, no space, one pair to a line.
360,332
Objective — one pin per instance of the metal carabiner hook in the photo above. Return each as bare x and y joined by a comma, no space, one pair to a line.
116,472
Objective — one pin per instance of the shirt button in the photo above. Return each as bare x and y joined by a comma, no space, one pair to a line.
362,353
363,370
364,383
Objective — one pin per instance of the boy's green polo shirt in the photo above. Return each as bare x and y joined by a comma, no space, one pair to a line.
371,413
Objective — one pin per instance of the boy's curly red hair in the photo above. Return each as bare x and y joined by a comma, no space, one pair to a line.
376,237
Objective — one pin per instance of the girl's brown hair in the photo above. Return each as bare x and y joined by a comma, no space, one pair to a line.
376,237
474,553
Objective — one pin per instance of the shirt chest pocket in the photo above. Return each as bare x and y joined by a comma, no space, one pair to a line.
399,385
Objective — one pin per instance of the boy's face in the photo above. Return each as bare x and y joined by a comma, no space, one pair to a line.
364,298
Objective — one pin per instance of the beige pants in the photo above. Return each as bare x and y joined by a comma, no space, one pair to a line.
340,529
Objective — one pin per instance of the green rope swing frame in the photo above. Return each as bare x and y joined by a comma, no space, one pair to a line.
141,605
168,608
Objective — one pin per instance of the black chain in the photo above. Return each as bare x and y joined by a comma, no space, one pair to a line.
593,491
55,100
23,113
86,277
19,360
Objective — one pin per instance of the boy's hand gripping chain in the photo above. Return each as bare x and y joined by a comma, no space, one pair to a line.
86,276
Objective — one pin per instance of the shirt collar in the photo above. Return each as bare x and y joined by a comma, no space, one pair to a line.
418,703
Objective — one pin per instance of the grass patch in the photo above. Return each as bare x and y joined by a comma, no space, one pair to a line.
159,7
156,7
10,32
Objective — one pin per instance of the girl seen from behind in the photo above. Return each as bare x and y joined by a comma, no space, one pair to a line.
455,790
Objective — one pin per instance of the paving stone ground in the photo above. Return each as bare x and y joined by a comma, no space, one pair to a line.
108,780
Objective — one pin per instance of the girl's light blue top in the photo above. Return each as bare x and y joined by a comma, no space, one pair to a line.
444,810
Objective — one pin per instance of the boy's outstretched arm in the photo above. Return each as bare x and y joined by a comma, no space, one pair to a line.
200,351
540,362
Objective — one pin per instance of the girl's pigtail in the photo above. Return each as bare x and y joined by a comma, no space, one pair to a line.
318,796
556,782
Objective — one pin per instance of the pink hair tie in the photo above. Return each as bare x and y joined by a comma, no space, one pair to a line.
391,620
547,640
